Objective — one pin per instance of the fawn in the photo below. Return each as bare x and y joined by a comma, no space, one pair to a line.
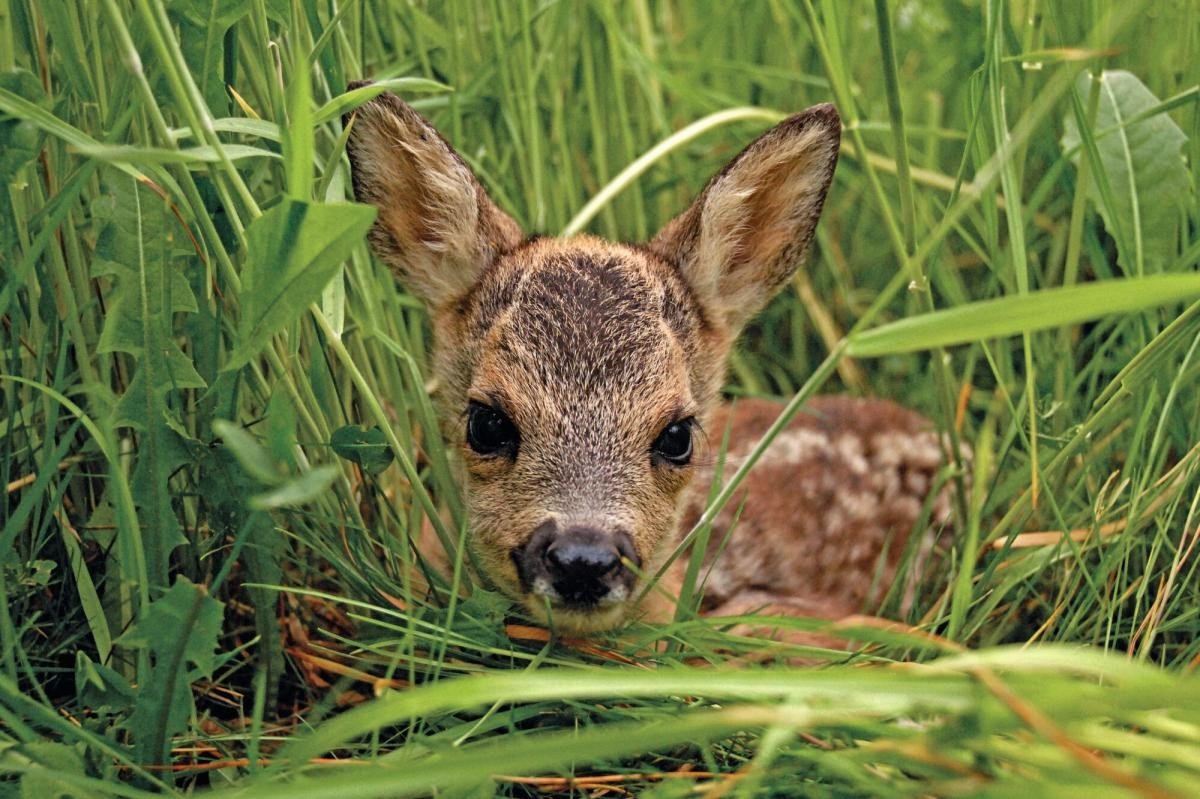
579,382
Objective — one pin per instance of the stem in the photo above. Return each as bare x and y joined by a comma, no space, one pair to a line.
891,82
845,103
656,153
368,397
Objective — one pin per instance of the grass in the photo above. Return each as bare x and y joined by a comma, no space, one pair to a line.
219,447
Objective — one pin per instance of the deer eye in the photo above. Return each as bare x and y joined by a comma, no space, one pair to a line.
674,443
490,431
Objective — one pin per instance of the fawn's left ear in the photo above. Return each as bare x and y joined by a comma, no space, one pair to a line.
747,232
437,229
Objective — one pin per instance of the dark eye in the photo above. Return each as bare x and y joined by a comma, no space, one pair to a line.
489,431
674,443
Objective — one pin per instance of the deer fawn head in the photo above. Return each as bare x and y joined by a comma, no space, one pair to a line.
575,375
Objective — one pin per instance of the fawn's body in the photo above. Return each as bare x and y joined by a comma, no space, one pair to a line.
579,380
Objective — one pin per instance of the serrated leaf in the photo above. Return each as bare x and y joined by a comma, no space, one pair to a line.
298,490
180,632
367,448
1144,178
135,247
144,402
488,607
100,688
292,252
227,492
182,624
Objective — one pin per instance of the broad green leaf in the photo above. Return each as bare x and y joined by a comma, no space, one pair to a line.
260,128
298,132
1009,316
19,138
38,573
136,247
367,448
292,252
16,105
227,474
1145,179
59,759
204,154
20,141
298,490
266,467
281,428
203,24
250,455
180,633
218,14
279,11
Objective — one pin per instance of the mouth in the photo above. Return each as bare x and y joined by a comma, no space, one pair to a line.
568,598
574,620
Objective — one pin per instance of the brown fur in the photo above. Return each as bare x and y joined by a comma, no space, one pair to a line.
592,348
828,510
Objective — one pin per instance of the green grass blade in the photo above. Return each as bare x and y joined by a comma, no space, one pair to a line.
1010,316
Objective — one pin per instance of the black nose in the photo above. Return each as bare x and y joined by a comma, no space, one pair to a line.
582,565
582,554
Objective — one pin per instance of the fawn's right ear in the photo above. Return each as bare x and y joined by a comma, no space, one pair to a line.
437,229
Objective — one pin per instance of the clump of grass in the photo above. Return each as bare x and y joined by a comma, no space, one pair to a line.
220,451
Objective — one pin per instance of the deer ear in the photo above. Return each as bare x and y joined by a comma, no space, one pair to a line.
437,229
747,232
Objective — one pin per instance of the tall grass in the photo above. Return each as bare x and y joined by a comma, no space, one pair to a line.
219,448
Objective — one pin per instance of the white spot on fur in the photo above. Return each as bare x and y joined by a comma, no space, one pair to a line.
850,448
919,450
858,504
790,447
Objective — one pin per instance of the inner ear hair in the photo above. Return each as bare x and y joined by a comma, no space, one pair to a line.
748,231
437,229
